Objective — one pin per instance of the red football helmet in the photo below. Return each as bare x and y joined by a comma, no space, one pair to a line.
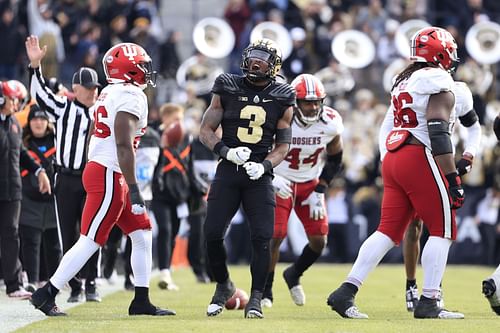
20,91
129,62
435,46
14,90
309,88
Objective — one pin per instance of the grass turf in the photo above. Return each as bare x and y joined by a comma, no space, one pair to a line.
382,298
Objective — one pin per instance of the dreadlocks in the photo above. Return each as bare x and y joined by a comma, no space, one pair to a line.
408,71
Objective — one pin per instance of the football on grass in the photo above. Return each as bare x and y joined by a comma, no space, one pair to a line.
174,134
238,301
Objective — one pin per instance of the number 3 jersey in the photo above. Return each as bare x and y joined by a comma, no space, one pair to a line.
115,98
306,157
251,113
410,99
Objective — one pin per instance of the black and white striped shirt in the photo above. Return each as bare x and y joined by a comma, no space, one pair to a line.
72,122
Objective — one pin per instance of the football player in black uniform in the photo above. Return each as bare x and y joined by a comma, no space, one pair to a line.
255,113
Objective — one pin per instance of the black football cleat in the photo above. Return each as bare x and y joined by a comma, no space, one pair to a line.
75,296
253,309
146,308
342,302
42,301
91,294
223,292
427,308
491,294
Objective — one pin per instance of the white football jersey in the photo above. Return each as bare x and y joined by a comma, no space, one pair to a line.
306,157
463,99
410,99
115,98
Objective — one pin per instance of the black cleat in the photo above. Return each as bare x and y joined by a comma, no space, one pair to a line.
91,294
342,302
75,296
490,292
253,308
427,308
290,277
223,292
411,298
42,301
146,308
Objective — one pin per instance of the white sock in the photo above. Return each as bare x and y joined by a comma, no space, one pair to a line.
141,257
434,258
497,271
371,252
73,261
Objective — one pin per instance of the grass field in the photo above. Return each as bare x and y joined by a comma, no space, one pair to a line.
381,298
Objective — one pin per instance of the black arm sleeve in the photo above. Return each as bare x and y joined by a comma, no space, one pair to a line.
469,118
332,167
440,137
496,127
284,135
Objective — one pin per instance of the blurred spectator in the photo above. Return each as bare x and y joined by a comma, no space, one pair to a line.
41,24
487,218
37,223
299,61
387,51
11,35
12,155
169,63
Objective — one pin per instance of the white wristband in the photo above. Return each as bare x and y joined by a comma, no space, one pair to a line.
40,169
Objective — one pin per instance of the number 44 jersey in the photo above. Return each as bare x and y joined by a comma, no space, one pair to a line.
306,157
115,98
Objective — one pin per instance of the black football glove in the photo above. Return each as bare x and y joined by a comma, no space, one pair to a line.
138,205
456,191
464,164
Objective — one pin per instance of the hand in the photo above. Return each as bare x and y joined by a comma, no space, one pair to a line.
44,183
138,205
282,186
464,164
254,170
316,202
34,52
238,155
457,193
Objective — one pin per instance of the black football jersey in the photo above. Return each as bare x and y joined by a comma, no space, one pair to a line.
251,113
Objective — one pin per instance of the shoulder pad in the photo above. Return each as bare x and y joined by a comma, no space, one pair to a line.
429,80
226,83
284,93
332,119
463,98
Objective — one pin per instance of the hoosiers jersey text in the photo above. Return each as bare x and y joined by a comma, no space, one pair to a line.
251,113
115,98
410,98
306,157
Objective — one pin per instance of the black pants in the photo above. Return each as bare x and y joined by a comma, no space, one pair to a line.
9,244
196,244
488,242
337,242
168,227
38,244
230,188
70,198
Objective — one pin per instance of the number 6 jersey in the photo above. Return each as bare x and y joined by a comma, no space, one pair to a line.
306,157
115,98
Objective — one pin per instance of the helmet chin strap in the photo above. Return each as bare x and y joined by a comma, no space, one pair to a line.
308,120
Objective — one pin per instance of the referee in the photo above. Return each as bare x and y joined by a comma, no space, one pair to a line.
73,124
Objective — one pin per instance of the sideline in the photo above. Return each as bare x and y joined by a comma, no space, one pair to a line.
15,314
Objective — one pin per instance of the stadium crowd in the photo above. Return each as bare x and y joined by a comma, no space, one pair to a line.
77,33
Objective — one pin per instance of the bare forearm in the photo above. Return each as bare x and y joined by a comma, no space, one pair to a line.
208,138
278,153
446,163
126,160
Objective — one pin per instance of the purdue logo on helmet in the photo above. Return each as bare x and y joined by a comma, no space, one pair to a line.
435,46
129,63
309,88
264,49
